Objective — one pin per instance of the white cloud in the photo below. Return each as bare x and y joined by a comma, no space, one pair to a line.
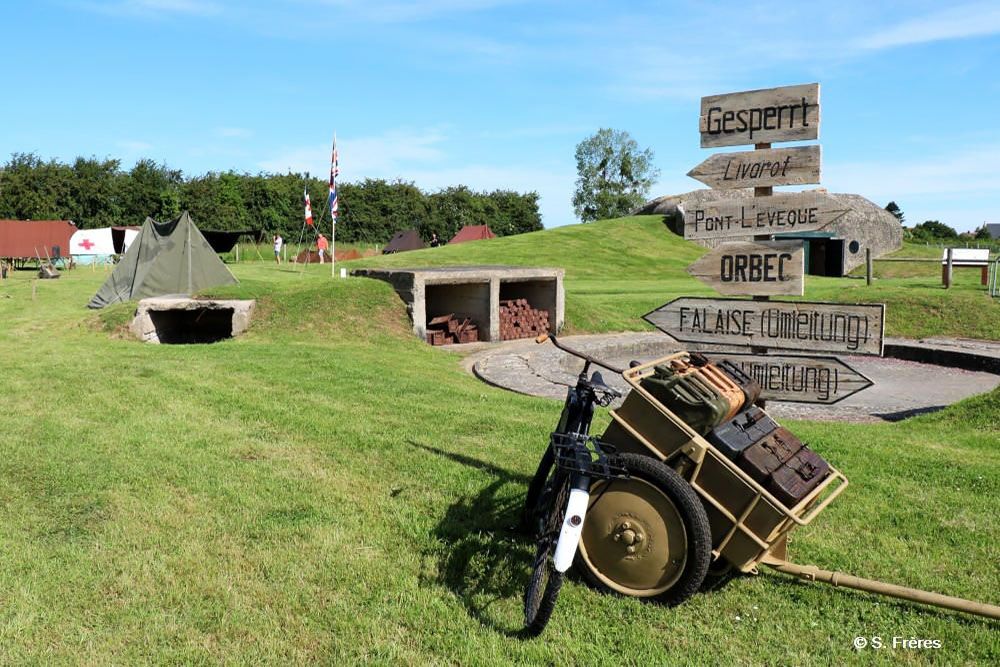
959,22
382,11
154,8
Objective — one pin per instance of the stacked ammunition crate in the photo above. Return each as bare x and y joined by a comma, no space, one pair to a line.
450,328
519,320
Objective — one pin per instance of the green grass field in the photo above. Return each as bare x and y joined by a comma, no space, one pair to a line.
329,489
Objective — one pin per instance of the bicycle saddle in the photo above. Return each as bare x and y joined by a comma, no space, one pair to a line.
597,382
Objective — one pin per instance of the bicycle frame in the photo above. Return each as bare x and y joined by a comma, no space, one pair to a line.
575,420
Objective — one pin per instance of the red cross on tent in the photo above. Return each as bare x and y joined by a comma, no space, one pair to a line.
87,244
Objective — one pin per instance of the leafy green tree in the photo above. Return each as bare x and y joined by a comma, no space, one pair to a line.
932,230
31,189
94,192
613,175
982,233
896,211
150,190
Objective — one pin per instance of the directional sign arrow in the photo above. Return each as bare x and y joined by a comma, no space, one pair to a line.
792,212
760,168
784,325
799,379
760,268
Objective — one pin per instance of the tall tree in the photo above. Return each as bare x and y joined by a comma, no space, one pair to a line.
613,175
896,211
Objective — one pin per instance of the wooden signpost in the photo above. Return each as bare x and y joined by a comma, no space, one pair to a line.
781,325
770,166
790,113
776,214
764,267
761,268
798,379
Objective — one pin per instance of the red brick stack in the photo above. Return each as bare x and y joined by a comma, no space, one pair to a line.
519,320
450,328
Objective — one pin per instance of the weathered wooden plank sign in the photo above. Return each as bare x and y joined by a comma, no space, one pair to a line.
759,268
781,325
798,379
760,168
792,212
789,113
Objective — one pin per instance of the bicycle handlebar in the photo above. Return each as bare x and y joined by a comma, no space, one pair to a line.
576,353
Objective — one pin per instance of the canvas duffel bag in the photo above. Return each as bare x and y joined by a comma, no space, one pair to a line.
747,428
802,473
762,458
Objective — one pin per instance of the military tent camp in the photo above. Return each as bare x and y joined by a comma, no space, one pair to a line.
403,241
165,258
472,233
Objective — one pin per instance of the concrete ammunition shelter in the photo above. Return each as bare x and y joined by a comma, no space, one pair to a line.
474,292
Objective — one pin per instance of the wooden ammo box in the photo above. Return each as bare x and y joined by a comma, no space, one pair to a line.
747,521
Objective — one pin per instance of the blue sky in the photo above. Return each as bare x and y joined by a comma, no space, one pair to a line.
497,93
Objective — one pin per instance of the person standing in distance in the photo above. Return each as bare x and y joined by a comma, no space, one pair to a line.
278,242
323,245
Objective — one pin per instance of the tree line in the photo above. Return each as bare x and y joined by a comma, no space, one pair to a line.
935,230
95,192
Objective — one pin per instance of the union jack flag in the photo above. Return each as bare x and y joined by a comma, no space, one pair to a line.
334,172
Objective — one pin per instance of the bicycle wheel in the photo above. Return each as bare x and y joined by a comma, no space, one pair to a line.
543,587
535,488
646,536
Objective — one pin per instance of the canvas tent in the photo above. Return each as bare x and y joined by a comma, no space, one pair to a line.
472,233
403,241
165,258
94,245
225,241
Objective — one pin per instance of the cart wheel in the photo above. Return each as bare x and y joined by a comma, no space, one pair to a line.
646,536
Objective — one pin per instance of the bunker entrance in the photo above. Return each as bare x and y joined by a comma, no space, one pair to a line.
469,306
192,326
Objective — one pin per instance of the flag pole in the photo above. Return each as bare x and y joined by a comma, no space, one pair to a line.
333,213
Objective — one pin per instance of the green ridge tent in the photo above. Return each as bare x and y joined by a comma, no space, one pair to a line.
165,258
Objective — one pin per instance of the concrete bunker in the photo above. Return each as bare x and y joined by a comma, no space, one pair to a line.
475,292
183,321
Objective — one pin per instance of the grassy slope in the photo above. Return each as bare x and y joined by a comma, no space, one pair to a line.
329,489
616,270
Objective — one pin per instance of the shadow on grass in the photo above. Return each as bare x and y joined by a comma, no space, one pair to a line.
482,557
